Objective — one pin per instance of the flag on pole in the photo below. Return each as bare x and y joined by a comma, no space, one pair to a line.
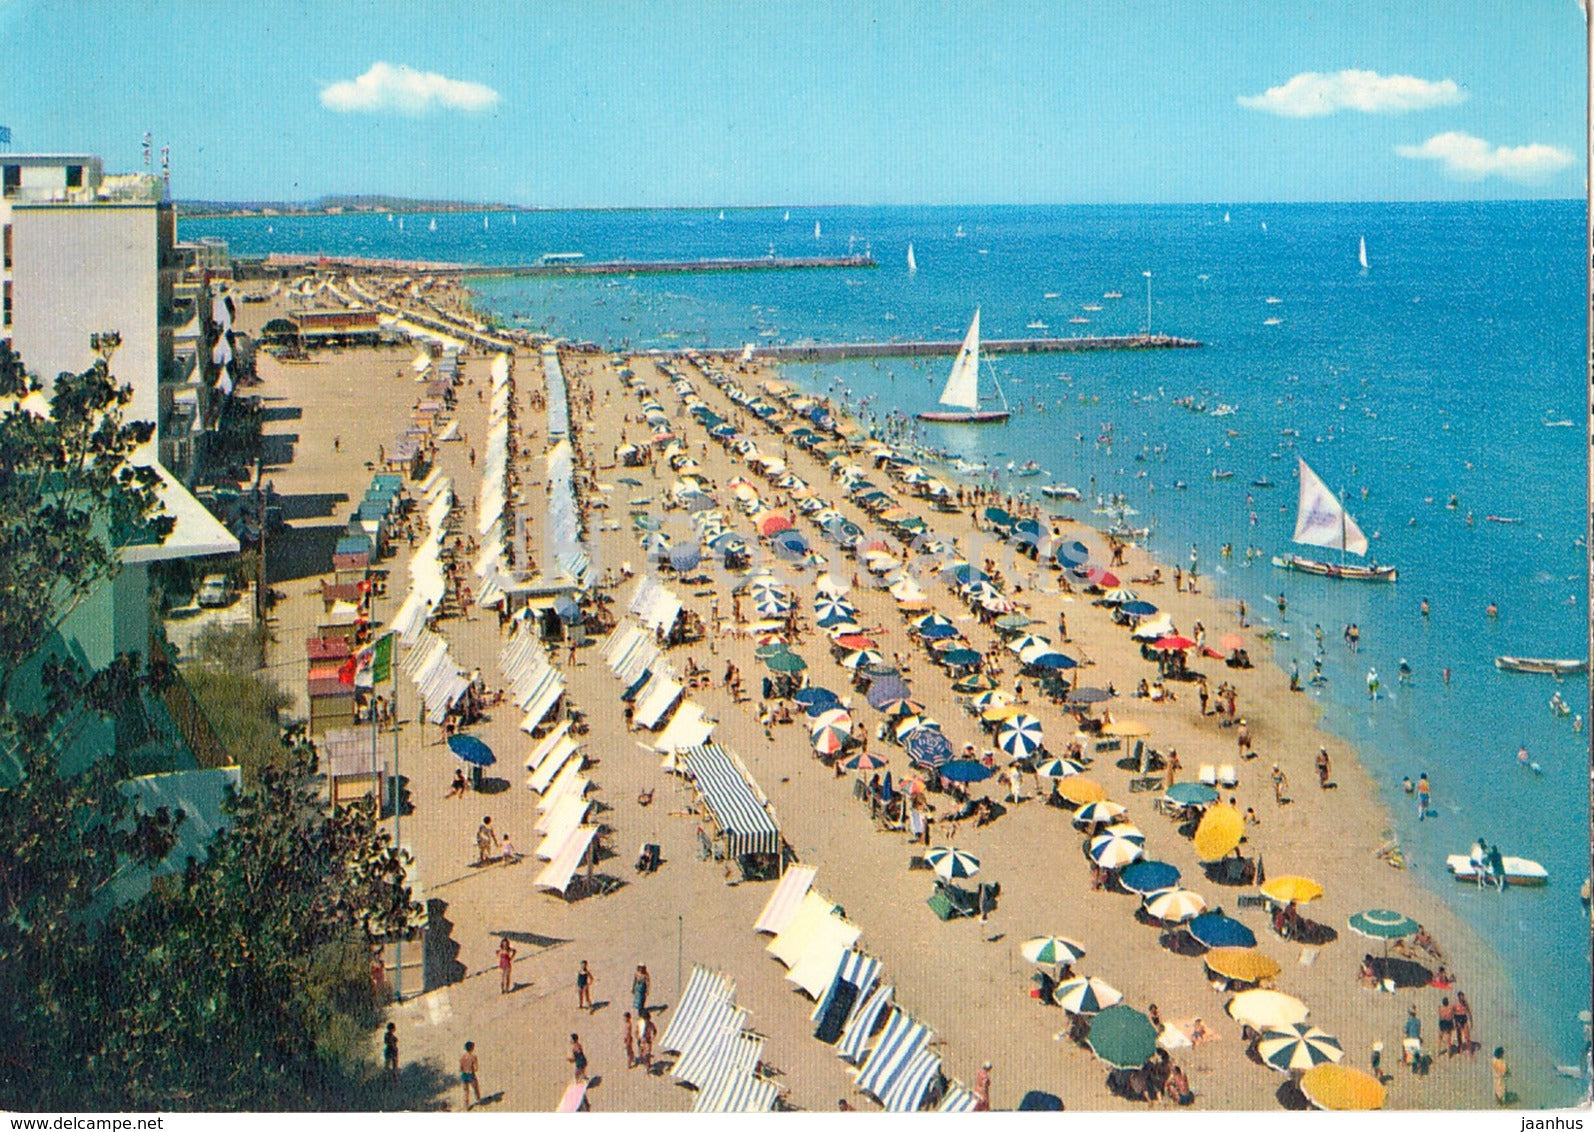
382,660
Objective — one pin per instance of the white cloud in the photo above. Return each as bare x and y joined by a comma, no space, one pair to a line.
1313,95
1467,158
387,87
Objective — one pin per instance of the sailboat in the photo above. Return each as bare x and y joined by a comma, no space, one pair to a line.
1361,253
816,229
913,264
962,392
433,226
1321,520
484,224
788,215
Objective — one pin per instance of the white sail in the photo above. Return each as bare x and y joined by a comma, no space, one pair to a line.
963,385
433,226
816,229
913,264
788,214
1361,252
1320,518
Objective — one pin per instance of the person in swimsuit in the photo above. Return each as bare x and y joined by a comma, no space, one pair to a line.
584,981
578,1057
468,1067
1463,1019
1447,1027
506,964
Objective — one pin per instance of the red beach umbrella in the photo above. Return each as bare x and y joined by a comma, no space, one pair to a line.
1231,641
774,525
851,641
1173,644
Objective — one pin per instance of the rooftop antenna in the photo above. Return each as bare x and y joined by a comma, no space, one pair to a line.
166,167
147,141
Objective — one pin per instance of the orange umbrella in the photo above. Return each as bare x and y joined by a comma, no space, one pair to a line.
1339,1088
1081,791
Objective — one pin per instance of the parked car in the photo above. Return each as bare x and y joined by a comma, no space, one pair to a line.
215,591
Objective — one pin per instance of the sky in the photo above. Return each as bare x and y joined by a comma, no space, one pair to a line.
614,103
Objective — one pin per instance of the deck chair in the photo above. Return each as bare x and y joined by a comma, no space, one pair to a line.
1209,775
1252,901
1227,775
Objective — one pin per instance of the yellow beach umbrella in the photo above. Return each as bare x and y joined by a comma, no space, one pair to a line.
1284,890
1001,713
1128,728
1219,833
1267,1009
1081,790
1339,1088
1242,964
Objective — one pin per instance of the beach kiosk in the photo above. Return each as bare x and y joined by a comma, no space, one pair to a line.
352,764
745,828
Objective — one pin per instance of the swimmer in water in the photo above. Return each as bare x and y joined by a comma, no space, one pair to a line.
1492,610
1424,607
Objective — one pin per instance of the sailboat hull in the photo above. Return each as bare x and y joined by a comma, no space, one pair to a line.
1330,570
993,416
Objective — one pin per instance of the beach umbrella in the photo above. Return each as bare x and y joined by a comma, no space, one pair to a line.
1241,964
879,670
992,699
1231,641
683,558
1049,950
1051,662
939,633
1219,833
1160,627
1093,813
656,542
773,648
836,717
1021,645
902,708
1147,876
1000,714
786,662
1138,608
827,604
998,516
1020,736
1080,790
1173,643
1073,554
1086,995
629,481
928,747
885,691
854,641
860,658
952,863
863,762
974,682
472,750
1214,929
1122,1037
830,740
928,620
1292,889
814,696
966,770
1087,696
1038,1101
909,724
965,575
1119,595
1173,905
697,501
1300,1046
1339,1088
771,605
1267,1009
648,523
774,525
1012,622
960,658
1384,924
1126,728
1191,794
1067,768
1113,852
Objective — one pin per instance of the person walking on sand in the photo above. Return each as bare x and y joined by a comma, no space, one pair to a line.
1501,1071
584,980
1322,767
1242,736
639,989
486,841
646,1032
1172,767
506,965
578,1057
1280,785
468,1068
390,1060
629,1038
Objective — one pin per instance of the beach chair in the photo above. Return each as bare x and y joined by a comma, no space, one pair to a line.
1208,775
1252,901
1227,775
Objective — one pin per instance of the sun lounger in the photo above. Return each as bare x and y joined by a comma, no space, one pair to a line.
575,1098
1227,775
1208,775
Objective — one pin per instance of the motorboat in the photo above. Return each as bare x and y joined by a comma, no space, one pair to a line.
1544,666
1518,870
1061,491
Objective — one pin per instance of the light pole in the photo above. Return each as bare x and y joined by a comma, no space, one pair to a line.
1147,274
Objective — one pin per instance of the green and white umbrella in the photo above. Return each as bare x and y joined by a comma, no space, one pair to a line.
1020,736
1174,905
1059,768
1092,812
1384,924
1085,995
1112,851
992,699
1298,1046
1050,950
951,863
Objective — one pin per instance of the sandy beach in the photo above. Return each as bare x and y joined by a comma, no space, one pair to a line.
963,979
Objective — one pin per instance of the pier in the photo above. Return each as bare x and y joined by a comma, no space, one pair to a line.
847,351
668,267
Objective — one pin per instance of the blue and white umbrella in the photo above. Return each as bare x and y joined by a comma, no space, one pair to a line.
472,750
814,696
1092,813
966,771
656,542
768,605
912,723
1113,852
928,747
827,605
1020,645
931,619
952,863
1065,768
1051,662
1073,554
1020,736
1214,929
938,633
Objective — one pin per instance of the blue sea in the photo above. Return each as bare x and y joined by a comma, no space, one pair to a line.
1436,372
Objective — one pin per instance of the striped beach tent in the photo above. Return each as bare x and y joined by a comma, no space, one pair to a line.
855,1037
786,899
906,1092
857,968
703,989
902,1037
720,1044
959,1098
735,1090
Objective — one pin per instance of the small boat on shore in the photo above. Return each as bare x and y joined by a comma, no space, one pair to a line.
1518,870
1544,666
1061,491
1027,468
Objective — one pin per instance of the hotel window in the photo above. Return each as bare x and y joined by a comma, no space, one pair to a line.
5,315
74,176
8,245
13,178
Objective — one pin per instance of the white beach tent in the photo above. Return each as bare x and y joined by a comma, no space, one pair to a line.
788,896
805,925
556,876
703,989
